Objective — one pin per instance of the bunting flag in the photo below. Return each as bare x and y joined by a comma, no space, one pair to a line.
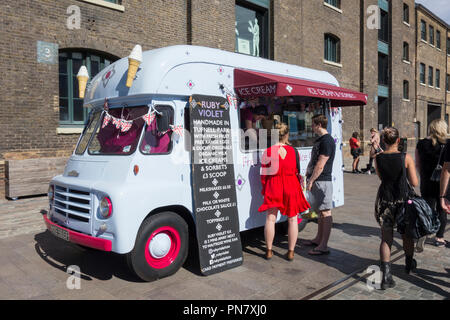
177,129
125,125
149,117
116,122
106,119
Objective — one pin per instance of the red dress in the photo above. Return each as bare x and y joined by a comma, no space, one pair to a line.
280,186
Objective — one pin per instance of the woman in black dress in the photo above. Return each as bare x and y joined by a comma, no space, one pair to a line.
429,152
392,193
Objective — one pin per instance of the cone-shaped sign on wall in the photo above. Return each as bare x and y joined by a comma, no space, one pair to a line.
134,60
83,78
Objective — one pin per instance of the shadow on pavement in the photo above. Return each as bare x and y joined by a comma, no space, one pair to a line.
92,263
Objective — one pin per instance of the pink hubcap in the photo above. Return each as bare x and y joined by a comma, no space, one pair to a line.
162,247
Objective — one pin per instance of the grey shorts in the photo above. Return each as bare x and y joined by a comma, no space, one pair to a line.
322,196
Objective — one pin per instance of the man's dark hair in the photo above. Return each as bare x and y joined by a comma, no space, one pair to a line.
320,119
260,110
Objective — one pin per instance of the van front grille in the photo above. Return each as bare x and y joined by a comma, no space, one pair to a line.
73,204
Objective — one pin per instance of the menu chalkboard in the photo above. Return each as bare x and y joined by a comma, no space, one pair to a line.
213,182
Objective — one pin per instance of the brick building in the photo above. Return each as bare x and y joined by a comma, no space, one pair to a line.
431,63
43,44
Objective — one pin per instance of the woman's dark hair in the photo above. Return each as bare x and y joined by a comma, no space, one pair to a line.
355,135
260,110
390,135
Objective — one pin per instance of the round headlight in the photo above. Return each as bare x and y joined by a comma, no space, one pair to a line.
106,207
51,192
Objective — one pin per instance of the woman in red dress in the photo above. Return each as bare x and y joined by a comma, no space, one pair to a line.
281,190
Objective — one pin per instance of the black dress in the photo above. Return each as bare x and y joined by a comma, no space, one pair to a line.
429,156
393,189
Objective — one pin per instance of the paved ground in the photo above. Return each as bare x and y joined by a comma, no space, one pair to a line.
33,264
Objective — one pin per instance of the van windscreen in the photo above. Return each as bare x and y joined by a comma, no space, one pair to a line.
87,132
118,132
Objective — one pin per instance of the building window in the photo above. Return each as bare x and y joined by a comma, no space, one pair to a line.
405,90
252,28
332,48
431,29
447,82
438,39
383,32
405,13
334,3
383,67
422,73
71,111
430,76
423,30
405,51
448,46
438,78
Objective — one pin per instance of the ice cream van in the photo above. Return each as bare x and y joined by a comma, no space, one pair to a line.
130,187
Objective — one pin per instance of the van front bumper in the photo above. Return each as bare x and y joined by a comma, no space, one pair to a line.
76,237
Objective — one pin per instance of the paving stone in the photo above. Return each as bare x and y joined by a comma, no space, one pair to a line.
33,263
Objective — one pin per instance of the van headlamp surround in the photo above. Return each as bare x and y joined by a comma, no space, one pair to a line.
105,207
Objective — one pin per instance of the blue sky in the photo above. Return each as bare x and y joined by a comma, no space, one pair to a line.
441,8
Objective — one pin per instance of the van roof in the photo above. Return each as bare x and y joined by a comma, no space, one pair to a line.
157,63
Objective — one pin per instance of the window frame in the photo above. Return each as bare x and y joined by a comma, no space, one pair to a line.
334,3
437,79
405,51
430,76
438,39
422,67
264,30
87,57
406,89
405,10
431,34
423,30
383,32
334,50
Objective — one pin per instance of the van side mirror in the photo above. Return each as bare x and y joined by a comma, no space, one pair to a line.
163,120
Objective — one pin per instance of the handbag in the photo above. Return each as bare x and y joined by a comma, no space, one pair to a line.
436,175
415,217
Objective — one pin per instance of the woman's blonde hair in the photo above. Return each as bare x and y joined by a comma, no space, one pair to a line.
373,130
437,130
283,130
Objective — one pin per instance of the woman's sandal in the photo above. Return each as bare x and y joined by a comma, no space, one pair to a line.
308,243
317,252
269,254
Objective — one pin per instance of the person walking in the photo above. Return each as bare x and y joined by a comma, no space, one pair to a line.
443,194
392,193
355,150
429,153
375,148
320,185
281,190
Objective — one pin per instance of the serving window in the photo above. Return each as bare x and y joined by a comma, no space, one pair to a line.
258,118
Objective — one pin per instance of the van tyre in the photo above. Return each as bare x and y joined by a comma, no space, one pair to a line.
161,246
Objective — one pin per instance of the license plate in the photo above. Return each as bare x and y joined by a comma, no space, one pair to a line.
60,233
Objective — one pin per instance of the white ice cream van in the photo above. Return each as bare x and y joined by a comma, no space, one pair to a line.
130,185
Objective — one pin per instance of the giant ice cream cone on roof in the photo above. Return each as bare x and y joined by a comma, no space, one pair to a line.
134,60
83,78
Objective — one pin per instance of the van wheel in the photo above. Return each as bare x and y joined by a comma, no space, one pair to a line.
161,246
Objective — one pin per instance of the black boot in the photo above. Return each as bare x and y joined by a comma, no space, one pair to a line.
410,264
386,279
